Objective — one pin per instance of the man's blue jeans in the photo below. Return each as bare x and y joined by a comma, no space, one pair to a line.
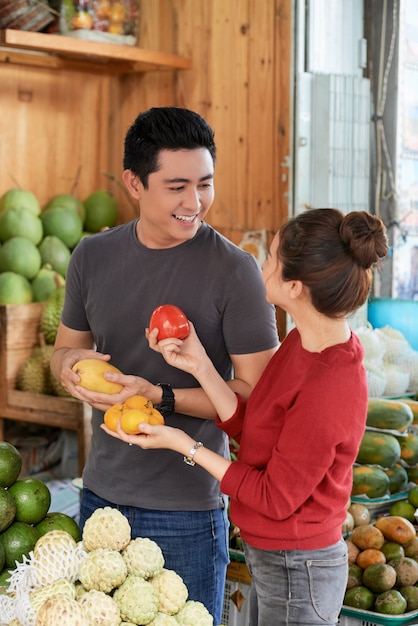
194,544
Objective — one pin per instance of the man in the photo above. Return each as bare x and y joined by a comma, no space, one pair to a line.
115,280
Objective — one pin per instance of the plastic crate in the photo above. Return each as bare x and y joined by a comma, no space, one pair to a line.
358,617
230,614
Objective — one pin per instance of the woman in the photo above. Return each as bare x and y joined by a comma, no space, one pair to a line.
300,430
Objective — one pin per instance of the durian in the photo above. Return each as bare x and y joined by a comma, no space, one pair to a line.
51,315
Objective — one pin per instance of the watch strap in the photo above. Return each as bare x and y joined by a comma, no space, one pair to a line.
166,406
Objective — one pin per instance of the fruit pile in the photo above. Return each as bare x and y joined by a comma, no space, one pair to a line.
36,245
24,512
383,566
107,578
116,17
387,460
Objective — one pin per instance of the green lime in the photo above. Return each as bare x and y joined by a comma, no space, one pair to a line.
4,576
10,464
59,521
7,509
18,540
32,498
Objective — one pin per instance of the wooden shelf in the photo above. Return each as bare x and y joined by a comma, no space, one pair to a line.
62,52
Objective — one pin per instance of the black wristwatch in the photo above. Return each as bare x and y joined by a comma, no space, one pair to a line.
166,406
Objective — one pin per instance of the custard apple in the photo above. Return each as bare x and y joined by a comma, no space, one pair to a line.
172,592
103,569
143,557
100,608
194,614
137,600
106,528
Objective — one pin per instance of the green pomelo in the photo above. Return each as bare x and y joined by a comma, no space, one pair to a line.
55,253
21,222
67,201
14,289
7,510
18,540
411,548
392,550
406,569
359,597
355,576
21,256
32,498
10,464
101,211
45,283
59,521
403,508
390,602
410,593
379,577
2,557
413,496
64,224
19,199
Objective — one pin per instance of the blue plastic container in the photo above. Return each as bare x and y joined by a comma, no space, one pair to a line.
399,314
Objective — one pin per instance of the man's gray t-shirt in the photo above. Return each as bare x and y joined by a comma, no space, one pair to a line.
113,284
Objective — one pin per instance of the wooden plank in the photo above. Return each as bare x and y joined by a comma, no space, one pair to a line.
91,51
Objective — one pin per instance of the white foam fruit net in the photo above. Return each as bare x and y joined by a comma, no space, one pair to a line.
46,566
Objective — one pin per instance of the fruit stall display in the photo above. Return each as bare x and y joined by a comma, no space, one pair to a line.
36,243
50,575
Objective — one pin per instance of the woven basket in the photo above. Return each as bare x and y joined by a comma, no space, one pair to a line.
32,15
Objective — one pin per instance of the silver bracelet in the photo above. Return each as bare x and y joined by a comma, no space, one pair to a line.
189,459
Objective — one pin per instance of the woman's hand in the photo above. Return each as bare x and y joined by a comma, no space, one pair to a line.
154,437
187,354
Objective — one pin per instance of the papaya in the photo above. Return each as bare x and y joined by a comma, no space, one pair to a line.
398,478
379,577
390,602
413,405
389,414
359,597
409,448
395,528
379,449
369,481
367,536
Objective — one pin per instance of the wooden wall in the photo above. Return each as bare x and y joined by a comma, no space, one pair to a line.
59,126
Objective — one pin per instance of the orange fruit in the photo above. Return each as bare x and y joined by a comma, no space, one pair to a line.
156,417
117,13
102,8
113,415
139,402
370,556
32,498
131,419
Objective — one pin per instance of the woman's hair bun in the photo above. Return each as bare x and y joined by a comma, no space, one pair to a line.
365,236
